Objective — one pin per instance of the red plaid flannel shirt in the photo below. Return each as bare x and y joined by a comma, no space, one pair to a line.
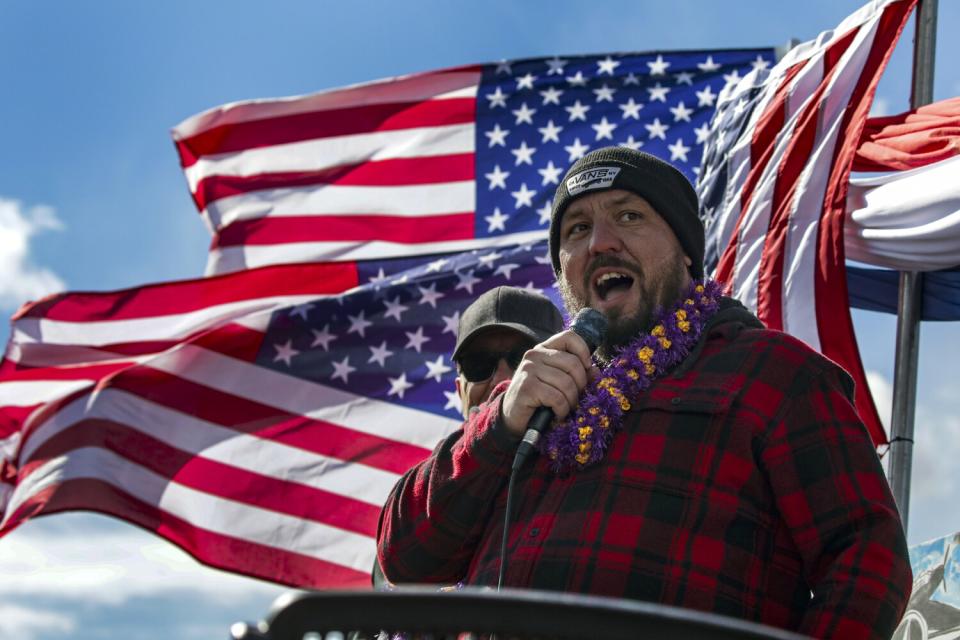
742,484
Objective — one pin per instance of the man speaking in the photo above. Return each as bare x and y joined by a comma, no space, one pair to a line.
709,463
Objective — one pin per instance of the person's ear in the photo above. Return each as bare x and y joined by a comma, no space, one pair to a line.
687,261
459,388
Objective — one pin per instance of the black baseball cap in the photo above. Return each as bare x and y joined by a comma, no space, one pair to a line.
526,312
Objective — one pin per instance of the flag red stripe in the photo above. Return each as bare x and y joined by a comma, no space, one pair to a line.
347,121
213,549
247,416
142,348
380,173
361,227
234,340
796,156
210,476
834,323
191,295
12,417
12,371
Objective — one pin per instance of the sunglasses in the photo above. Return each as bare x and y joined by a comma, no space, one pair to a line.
480,366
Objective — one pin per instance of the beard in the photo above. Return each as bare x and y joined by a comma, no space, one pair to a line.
656,292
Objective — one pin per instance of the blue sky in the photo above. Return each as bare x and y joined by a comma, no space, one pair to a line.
92,198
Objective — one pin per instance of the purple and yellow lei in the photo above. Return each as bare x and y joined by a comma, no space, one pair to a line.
583,437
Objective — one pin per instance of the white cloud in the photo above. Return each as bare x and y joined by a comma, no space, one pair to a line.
25,623
936,450
20,279
110,564
935,474
935,455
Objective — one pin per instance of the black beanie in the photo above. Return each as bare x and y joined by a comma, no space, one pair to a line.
661,184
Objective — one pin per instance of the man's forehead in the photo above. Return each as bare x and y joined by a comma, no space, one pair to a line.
609,198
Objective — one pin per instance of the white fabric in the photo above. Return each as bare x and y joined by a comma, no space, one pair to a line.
908,221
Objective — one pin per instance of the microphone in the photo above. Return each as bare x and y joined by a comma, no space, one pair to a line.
589,324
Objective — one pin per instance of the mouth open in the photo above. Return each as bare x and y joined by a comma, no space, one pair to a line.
611,283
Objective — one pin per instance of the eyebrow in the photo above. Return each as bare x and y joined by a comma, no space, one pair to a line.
578,212
622,199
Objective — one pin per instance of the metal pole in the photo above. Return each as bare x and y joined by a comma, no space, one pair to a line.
911,290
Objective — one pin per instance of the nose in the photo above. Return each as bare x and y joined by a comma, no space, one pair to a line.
501,373
604,238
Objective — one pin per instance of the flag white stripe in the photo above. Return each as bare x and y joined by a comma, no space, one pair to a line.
805,84
744,288
303,397
8,447
325,153
238,258
63,356
200,509
411,88
403,201
166,327
24,393
214,442
906,221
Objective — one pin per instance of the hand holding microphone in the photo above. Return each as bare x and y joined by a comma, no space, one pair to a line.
547,384
550,378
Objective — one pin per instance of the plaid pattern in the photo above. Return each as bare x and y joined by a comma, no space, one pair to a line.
738,486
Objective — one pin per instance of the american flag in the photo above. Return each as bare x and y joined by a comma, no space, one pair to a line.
774,183
257,425
444,161
258,417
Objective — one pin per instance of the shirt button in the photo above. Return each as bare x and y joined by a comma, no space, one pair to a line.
534,532
675,400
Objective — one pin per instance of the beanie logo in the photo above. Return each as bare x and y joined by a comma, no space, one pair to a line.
595,178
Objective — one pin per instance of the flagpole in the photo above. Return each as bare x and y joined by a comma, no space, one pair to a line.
911,290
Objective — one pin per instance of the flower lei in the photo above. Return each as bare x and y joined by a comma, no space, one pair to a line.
583,437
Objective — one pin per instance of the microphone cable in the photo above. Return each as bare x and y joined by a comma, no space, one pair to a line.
506,522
